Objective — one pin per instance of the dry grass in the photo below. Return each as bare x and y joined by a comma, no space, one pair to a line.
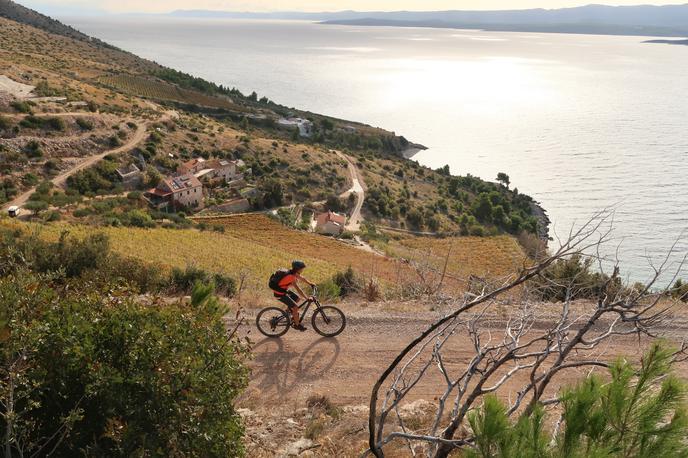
253,246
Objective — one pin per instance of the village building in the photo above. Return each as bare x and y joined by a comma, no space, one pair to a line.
212,170
330,223
130,176
183,191
192,167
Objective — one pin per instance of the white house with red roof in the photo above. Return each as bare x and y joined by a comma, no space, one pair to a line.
330,223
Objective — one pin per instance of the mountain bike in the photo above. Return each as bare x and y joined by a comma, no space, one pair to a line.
327,320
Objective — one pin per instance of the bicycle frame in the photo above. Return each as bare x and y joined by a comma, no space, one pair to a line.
307,303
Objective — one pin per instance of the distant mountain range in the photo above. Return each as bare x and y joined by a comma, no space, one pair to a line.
643,20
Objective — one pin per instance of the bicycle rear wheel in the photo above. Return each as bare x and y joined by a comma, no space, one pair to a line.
273,322
328,321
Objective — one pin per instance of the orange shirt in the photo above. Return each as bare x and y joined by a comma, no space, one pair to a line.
286,282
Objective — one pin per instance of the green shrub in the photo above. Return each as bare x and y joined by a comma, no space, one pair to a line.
32,122
81,212
680,290
477,231
118,378
33,149
114,141
347,281
36,206
84,124
21,106
55,123
328,290
639,413
138,218
224,285
572,278
51,216
29,179
4,123
183,280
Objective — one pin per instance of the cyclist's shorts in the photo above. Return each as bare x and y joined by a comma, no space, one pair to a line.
289,299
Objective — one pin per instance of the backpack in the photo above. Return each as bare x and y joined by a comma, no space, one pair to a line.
276,278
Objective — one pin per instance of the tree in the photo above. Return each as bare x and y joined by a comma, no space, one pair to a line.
415,218
482,207
640,412
273,193
36,206
444,171
532,353
334,203
504,179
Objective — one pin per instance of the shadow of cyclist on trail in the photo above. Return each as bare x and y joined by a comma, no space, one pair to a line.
278,368
317,359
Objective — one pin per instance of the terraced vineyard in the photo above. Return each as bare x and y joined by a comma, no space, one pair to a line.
485,257
159,90
256,246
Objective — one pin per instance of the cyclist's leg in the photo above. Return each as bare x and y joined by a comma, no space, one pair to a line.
289,299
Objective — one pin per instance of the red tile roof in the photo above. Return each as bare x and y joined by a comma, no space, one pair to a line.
324,218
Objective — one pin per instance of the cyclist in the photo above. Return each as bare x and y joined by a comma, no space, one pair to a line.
280,283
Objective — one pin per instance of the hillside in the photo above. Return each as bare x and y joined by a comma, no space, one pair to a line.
94,111
253,246
639,20
18,13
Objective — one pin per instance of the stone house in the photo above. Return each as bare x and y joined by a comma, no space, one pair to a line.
211,170
183,191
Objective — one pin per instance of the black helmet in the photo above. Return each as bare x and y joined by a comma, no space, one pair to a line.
297,265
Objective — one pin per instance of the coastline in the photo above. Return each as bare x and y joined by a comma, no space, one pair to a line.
669,42
543,220
412,149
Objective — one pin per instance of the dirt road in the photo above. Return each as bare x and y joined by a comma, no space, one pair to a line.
357,186
298,365
68,114
138,137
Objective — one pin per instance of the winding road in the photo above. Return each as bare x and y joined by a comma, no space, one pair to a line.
357,187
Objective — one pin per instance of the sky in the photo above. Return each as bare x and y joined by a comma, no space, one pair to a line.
161,6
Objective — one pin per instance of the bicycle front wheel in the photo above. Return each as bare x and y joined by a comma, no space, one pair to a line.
328,321
273,322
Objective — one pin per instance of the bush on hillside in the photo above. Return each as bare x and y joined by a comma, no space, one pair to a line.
183,281
102,375
347,281
680,290
573,278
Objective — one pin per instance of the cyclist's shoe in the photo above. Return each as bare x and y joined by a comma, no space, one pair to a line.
300,327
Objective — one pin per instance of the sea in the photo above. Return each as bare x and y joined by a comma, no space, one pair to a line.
582,123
